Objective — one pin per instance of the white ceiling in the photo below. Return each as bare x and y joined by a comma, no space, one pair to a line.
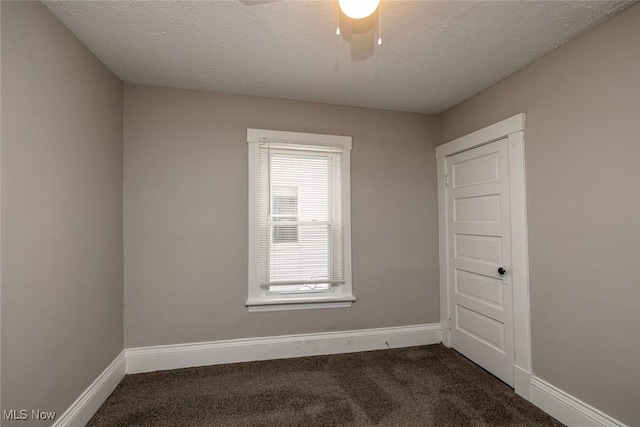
435,54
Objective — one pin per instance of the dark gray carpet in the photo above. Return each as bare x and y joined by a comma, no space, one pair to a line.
417,386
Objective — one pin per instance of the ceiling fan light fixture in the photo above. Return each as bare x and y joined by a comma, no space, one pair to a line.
358,9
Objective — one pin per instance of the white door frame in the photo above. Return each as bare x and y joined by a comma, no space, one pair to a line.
513,129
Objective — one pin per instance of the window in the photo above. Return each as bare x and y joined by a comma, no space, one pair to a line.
299,221
284,208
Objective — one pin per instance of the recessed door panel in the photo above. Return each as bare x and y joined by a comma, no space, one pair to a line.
476,170
481,328
487,290
482,209
486,249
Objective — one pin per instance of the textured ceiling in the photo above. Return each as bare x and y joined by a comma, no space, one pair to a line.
435,54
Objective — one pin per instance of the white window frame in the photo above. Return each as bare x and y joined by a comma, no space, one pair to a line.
341,296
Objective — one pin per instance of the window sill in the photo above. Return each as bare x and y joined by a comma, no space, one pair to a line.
285,304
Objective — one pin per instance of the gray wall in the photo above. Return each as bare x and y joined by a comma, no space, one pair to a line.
62,261
583,182
186,216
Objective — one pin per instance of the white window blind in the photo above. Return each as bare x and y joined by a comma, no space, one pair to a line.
301,221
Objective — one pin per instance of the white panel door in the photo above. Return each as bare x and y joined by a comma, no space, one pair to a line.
479,224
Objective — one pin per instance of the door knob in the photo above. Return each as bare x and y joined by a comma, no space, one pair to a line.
501,271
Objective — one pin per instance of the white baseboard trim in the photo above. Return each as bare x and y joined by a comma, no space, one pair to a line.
522,382
566,408
147,359
85,406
